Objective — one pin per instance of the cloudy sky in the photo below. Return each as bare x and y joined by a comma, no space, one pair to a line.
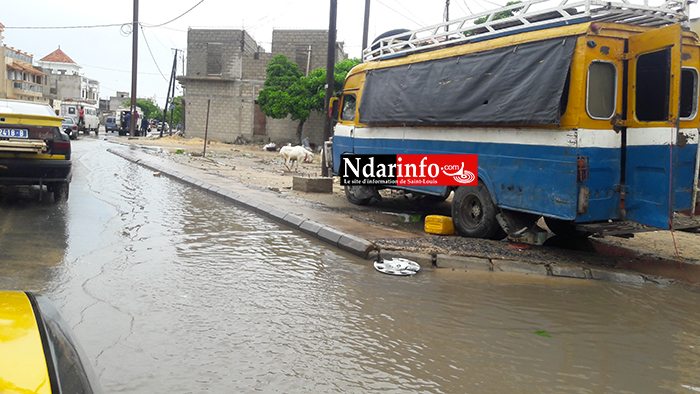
105,52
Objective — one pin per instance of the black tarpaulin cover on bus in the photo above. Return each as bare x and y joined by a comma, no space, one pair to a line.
520,84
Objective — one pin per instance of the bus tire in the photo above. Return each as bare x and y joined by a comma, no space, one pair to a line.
474,213
350,194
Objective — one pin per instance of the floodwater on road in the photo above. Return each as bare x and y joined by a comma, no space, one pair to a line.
172,290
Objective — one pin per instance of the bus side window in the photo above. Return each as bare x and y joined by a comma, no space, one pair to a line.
348,112
689,93
601,90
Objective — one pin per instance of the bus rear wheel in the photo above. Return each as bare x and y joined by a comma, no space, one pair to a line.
474,213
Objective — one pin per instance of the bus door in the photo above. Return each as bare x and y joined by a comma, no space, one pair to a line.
650,147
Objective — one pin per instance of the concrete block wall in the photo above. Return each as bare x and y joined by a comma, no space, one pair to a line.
255,66
287,42
234,43
233,93
283,131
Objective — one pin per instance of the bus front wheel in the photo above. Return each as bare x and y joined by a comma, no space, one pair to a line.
474,213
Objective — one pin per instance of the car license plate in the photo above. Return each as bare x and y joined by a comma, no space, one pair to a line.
14,133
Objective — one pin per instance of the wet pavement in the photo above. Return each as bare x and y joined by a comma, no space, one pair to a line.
172,289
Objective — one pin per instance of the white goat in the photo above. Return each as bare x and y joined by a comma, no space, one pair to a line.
294,154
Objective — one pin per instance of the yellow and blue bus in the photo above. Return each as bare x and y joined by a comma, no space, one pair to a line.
585,114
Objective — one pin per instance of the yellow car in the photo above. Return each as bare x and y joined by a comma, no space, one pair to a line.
38,353
34,150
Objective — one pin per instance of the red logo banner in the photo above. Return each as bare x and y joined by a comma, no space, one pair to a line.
436,170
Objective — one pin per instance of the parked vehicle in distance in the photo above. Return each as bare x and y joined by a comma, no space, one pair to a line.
121,117
72,109
70,128
33,149
38,351
111,124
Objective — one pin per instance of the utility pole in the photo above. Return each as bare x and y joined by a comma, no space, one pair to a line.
447,13
330,80
365,29
134,66
171,86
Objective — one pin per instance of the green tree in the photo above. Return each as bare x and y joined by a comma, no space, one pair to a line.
148,107
288,93
502,14
178,102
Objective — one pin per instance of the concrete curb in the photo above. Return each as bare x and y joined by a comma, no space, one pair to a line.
343,241
366,249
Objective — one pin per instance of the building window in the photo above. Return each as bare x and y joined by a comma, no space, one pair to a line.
215,51
601,90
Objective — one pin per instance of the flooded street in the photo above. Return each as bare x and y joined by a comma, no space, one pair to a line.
171,290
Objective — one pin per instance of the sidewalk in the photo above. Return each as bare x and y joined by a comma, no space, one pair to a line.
257,180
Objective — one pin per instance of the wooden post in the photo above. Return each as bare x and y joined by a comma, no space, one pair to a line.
206,130
330,79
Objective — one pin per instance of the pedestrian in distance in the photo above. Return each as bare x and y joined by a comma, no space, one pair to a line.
128,122
81,117
144,126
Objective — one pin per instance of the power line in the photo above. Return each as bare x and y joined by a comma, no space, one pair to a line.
178,17
467,5
459,4
100,26
385,5
63,27
152,57
407,10
114,69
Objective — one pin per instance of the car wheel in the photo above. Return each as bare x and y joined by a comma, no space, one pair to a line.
61,191
351,193
474,213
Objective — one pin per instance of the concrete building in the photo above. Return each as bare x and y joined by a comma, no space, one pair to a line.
20,80
226,70
64,80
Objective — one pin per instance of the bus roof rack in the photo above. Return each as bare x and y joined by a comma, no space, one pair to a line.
527,16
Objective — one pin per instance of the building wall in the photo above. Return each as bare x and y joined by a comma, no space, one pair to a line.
243,72
21,69
3,69
295,44
232,43
117,101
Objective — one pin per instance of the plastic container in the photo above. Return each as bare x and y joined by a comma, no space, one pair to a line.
438,224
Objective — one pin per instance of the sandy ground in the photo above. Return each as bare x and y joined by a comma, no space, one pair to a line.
252,165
